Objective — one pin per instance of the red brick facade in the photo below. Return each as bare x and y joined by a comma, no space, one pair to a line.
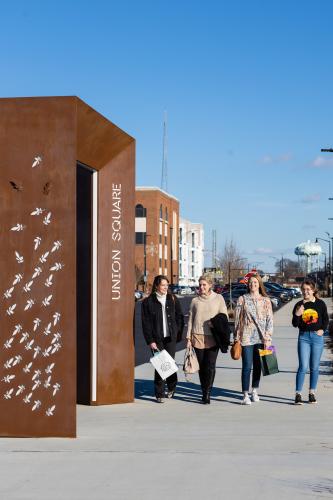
162,231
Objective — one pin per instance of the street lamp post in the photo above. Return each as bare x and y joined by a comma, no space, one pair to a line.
330,248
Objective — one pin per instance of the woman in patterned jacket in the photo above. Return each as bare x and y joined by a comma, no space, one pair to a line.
254,329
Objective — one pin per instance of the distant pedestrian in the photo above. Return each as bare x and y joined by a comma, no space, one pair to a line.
311,318
203,308
253,329
162,325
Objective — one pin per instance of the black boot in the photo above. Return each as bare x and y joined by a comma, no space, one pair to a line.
209,384
202,377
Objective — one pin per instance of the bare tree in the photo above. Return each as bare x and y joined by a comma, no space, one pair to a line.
288,268
231,262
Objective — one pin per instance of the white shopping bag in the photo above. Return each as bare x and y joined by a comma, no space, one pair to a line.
164,364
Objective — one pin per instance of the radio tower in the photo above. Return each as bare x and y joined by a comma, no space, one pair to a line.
214,247
164,178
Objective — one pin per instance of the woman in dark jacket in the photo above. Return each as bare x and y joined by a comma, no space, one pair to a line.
162,325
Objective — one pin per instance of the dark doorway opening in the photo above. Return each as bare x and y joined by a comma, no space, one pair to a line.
84,221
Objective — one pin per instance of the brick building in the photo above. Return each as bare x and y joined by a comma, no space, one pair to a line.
156,235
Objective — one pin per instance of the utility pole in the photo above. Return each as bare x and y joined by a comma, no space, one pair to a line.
164,177
214,248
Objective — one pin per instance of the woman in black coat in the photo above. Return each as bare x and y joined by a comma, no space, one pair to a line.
162,325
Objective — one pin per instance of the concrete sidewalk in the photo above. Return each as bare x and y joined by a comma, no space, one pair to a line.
185,450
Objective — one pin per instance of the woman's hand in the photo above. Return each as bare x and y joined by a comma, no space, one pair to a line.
188,343
153,346
267,344
299,310
320,332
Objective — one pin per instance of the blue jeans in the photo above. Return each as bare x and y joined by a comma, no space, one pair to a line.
310,347
250,356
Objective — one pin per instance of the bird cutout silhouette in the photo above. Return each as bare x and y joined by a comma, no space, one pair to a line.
56,245
47,382
18,227
8,394
17,187
27,286
27,367
8,378
56,318
24,337
48,281
28,345
36,323
17,329
8,343
27,398
47,300
38,211
56,388
8,293
37,242
56,347
10,310
19,258
36,385
46,352
36,374
47,219
37,350
49,368
37,161
29,304
49,412
37,272
37,405
47,330
20,389
8,363
47,188
56,337
18,278
17,360
43,257
57,266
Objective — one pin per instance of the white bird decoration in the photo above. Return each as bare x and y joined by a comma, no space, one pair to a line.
47,219
36,405
8,293
19,257
56,245
49,411
29,304
38,211
27,286
57,266
47,300
8,343
49,282
27,367
43,258
49,368
37,242
37,350
37,272
20,389
37,161
10,310
18,227
8,378
24,337
56,318
27,398
18,278
17,329
56,388
8,394
36,323
8,363
47,330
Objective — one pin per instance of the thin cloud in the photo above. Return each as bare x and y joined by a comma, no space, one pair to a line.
262,251
312,198
322,162
270,160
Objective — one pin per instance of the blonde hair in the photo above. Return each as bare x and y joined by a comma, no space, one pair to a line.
312,285
206,277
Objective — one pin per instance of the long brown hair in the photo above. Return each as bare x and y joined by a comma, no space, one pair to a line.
157,281
312,285
262,289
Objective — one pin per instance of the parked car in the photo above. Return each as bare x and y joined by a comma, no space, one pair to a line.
296,291
283,294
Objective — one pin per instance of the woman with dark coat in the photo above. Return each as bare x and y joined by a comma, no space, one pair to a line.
162,326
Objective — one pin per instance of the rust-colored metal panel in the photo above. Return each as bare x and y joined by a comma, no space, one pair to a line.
37,267
116,279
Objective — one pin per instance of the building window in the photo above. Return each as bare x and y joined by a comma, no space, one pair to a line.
166,213
192,253
140,211
161,212
193,239
160,262
140,238
165,240
165,262
160,238
180,253
180,235
192,272
180,269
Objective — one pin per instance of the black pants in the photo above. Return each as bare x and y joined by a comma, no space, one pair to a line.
207,363
170,346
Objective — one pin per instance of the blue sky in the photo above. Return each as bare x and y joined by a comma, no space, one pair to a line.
247,86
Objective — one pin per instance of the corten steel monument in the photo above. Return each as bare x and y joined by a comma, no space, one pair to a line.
67,188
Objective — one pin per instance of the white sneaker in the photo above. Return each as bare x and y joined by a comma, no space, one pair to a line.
246,400
255,397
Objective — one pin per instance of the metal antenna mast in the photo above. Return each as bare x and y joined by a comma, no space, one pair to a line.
214,247
164,178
